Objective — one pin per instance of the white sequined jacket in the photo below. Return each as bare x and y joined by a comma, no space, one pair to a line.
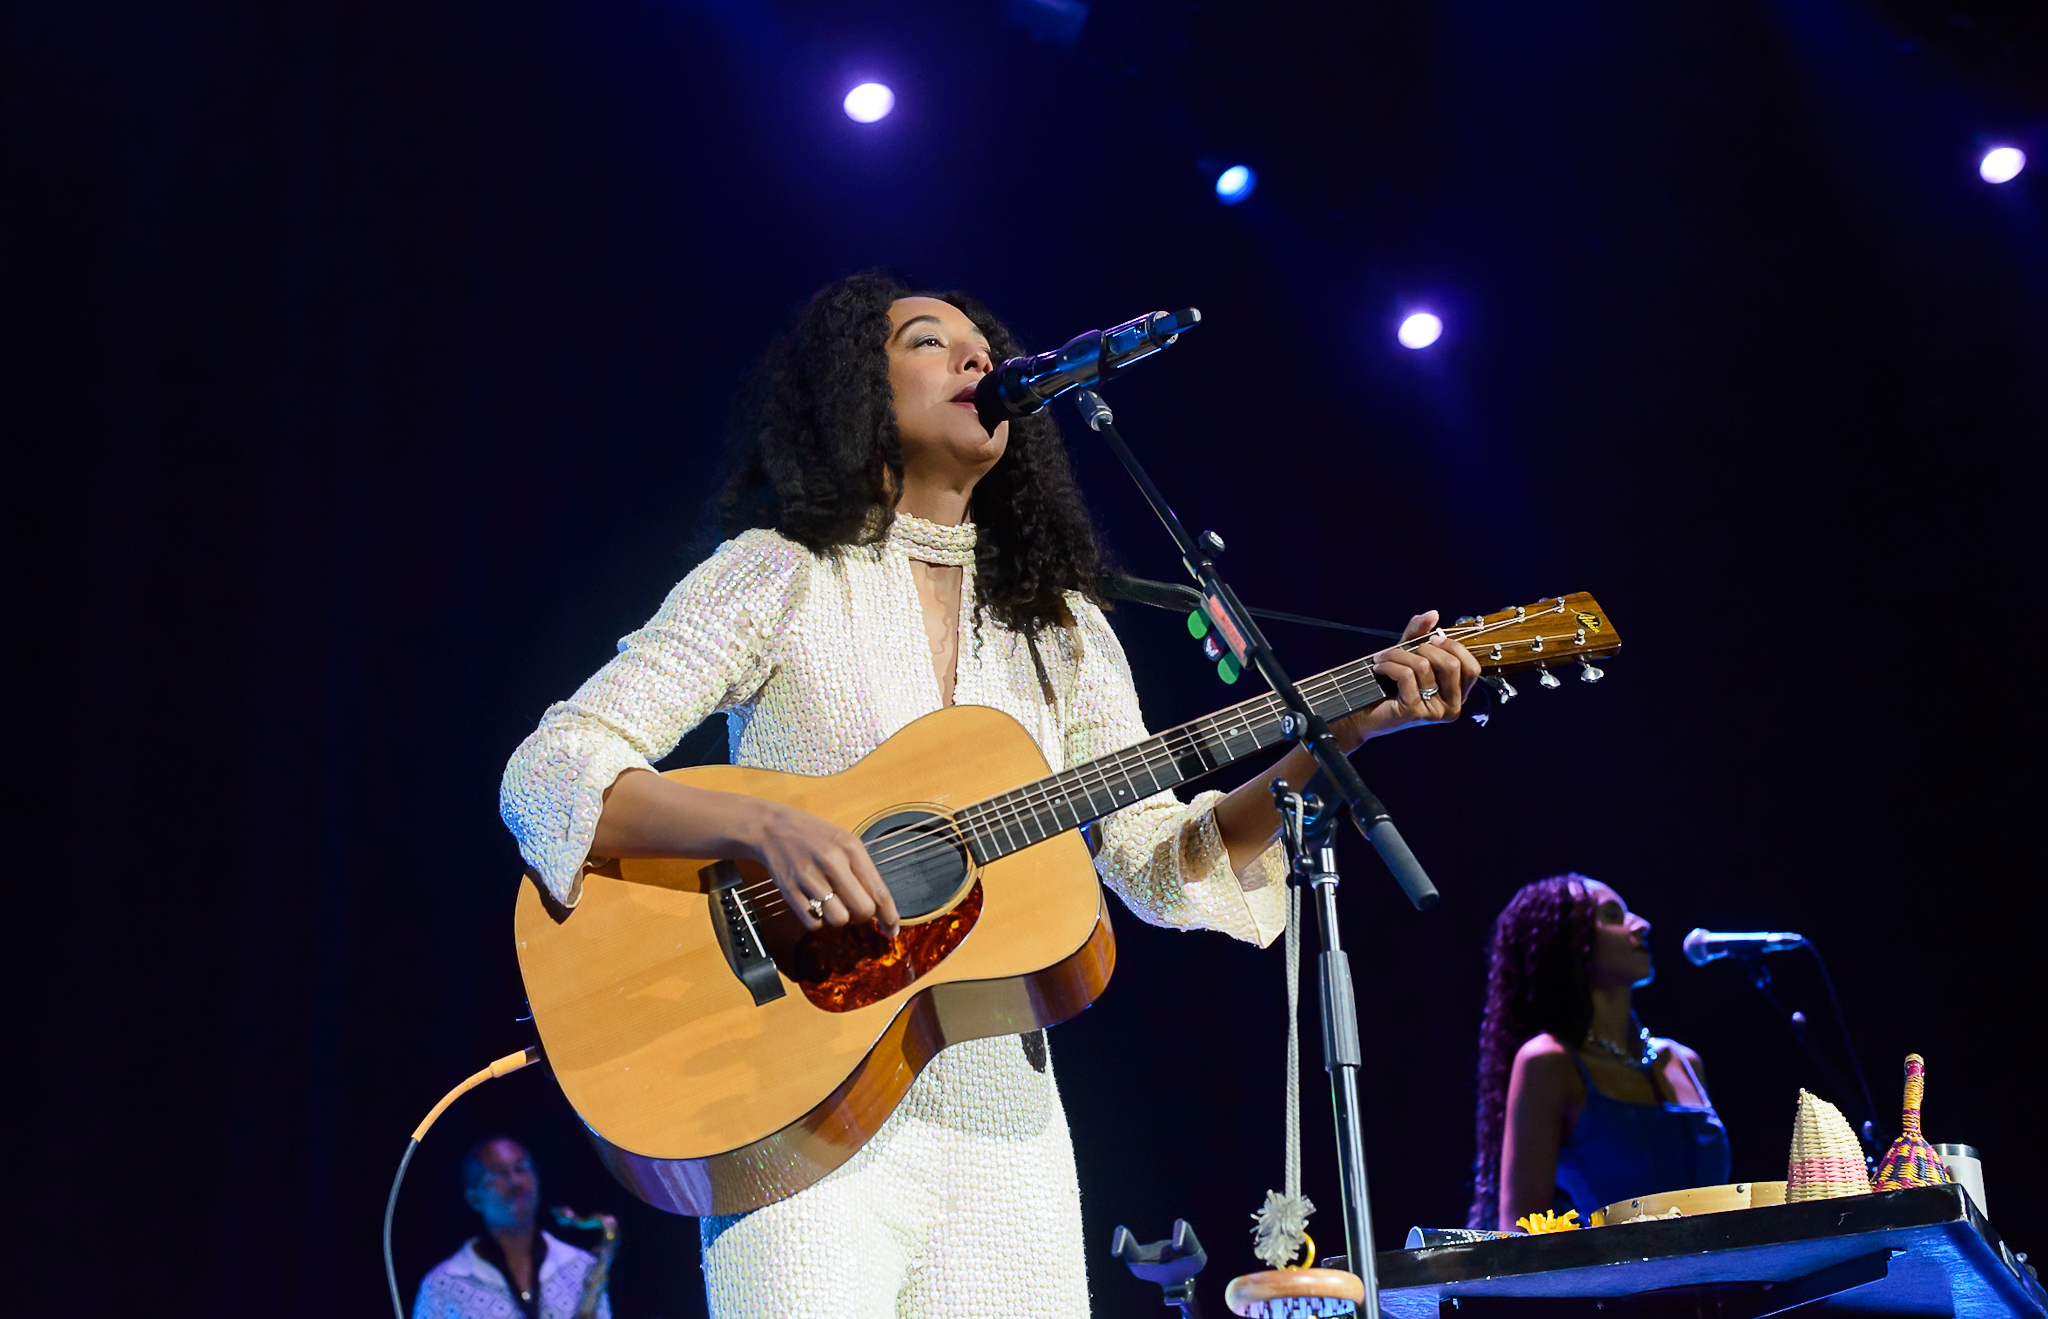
817,659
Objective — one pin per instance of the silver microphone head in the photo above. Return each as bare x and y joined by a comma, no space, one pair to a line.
1704,946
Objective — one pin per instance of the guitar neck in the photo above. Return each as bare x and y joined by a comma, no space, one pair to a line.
1037,811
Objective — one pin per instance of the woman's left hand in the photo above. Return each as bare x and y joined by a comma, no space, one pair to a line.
1426,685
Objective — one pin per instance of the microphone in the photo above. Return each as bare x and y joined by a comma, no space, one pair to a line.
1704,946
1021,386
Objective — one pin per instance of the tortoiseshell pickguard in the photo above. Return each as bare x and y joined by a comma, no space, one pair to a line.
852,966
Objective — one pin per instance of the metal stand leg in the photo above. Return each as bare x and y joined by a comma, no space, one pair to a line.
1312,855
1866,1127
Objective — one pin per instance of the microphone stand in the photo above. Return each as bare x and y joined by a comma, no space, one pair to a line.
1309,832
1760,976
1241,633
1311,851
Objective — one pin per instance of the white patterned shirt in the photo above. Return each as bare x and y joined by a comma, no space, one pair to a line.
465,1286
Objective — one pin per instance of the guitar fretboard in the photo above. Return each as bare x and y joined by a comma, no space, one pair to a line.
1035,812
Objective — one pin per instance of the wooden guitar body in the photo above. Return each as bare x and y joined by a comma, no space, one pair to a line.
703,1100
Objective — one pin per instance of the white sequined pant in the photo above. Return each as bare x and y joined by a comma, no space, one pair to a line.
964,1204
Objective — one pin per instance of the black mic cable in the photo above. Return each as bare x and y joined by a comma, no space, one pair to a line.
1177,598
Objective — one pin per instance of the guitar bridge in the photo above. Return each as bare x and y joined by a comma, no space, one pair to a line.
739,934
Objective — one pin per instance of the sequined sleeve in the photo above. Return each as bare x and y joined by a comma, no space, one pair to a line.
708,648
1163,857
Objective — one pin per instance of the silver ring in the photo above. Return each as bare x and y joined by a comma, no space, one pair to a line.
817,906
1428,693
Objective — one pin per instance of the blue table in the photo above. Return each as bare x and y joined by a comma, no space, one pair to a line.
1921,1252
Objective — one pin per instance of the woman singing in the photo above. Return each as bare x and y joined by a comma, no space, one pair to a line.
889,557
1578,1106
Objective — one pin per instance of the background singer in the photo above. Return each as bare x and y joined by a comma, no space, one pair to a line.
1579,1106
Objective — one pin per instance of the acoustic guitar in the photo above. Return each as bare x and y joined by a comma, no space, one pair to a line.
724,1059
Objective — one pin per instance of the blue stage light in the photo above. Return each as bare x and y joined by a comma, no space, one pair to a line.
2002,164
868,102
1420,330
1235,184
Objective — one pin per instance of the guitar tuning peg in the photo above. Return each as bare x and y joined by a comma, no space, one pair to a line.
1587,673
1546,678
1503,690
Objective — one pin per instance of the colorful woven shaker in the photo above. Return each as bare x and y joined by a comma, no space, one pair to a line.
1911,1161
1826,1160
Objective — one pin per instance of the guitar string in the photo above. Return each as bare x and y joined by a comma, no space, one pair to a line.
1000,812
1175,743
1169,746
1003,812
1014,820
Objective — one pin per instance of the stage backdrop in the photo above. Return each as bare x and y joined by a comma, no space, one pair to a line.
367,368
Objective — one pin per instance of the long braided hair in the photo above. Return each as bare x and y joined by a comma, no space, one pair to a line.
816,428
1539,977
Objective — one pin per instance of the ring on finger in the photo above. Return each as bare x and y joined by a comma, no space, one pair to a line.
1428,693
817,906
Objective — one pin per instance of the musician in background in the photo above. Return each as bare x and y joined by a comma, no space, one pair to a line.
1579,1106
888,558
511,1270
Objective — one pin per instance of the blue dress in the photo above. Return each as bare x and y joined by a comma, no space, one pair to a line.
1619,1151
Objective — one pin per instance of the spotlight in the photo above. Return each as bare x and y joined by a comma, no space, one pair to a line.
2002,164
868,102
1235,184
1420,330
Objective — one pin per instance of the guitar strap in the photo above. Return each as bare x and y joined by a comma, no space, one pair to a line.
1091,831
1073,628
1038,663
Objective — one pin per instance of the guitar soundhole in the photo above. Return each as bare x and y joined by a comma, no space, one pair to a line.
921,857
923,860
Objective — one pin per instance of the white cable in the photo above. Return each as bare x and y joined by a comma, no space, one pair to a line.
1280,1227
1293,1182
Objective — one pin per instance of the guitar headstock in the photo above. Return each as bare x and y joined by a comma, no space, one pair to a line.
1562,630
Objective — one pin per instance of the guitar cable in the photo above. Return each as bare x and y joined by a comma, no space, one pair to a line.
504,1066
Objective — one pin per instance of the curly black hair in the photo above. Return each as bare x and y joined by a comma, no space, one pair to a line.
1539,978
816,428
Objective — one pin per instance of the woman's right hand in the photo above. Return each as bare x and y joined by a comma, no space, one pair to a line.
811,859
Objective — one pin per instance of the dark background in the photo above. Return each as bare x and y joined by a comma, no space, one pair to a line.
366,369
